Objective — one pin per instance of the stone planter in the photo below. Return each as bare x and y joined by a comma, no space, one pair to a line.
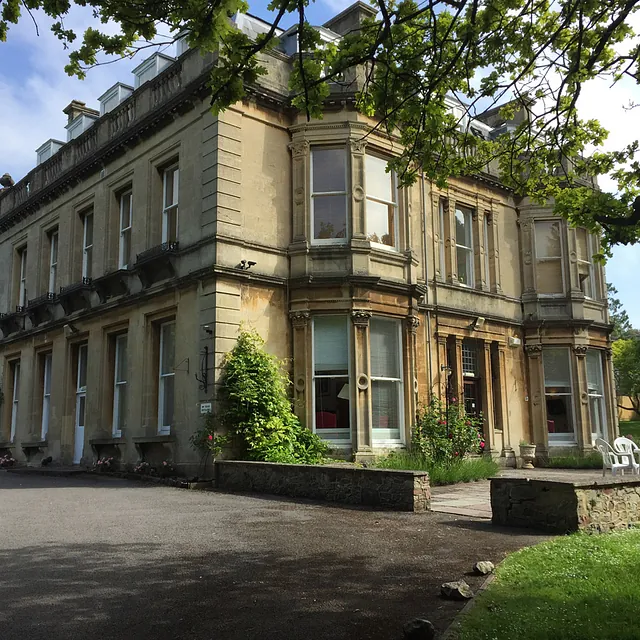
528,455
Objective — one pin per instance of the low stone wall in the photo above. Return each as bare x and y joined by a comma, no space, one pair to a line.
388,489
563,507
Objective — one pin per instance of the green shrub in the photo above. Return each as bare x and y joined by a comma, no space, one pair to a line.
590,461
441,472
257,410
442,434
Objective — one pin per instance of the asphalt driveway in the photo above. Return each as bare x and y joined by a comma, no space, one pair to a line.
92,557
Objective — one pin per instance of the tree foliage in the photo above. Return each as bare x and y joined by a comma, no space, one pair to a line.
257,409
618,316
626,365
527,59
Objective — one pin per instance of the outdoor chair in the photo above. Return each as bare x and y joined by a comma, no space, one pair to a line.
614,460
627,448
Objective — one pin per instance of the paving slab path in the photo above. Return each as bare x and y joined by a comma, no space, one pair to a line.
101,558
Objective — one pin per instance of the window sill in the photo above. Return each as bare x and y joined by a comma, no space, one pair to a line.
7,445
107,441
154,439
35,444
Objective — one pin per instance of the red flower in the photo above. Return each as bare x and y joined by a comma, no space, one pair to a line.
450,436
467,422
210,437
482,445
454,399
442,422
455,453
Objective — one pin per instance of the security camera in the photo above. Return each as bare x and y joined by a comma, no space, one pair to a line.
250,263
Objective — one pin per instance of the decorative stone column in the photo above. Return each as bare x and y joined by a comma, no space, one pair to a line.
411,373
479,274
583,420
301,174
361,429
358,189
502,407
487,396
450,261
528,270
438,236
457,377
611,399
302,363
537,405
443,378
494,249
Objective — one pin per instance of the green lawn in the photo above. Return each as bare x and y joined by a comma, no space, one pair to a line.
451,473
579,587
631,427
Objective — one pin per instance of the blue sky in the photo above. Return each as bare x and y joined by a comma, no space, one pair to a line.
34,89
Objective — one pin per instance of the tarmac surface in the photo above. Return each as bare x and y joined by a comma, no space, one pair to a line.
102,558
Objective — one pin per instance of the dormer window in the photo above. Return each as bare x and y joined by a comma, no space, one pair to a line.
110,99
45,151
150,68
329,195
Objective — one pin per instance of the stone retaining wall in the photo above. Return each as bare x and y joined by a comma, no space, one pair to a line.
388,489
563,507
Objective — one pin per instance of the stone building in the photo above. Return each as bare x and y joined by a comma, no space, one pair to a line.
134,251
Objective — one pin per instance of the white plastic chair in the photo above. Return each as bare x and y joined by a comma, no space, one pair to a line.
628,448
612,459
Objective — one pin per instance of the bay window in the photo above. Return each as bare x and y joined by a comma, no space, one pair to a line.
170,187
386,380
584,252
464,246
548,247
331,378
595,388
166,377
382,209
558,395
329,195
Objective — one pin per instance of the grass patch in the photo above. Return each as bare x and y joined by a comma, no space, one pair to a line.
442,473
579,587
632,428
590,461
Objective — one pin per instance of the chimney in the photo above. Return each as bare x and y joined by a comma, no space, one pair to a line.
350,19
77,108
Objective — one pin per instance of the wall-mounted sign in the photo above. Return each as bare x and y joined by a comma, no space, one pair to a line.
205,407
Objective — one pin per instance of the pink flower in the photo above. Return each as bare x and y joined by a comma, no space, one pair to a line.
455,453
454,399
482,445
210,437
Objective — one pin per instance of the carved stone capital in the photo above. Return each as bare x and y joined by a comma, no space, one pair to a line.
608,353
580,350
299,319
358,147
533,350
299,149
361,317
412,322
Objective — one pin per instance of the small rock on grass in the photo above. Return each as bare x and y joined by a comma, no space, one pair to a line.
419,629
484,567
458,590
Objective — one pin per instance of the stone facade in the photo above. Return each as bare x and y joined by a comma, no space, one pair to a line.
377,299
387,489
563,507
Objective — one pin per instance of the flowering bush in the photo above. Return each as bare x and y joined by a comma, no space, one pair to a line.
206,439
444,435
7,461
143,468
105,464
166,469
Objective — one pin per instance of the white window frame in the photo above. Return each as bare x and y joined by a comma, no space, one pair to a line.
125,232
53,260
46,394
394,191
561,439
327,433
550,259
377,441
168,207
15,397
87,249
441,240
466,211
589,263
120,345
600,396
22,296
164,429
344,240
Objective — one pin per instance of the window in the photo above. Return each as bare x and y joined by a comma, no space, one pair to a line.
120,386
53,261
441,208
548,240
170,183
329,194
595,387
386,380
585,251
464,246
124,252
87,244
331,378
15,394
167,375
558,396
382,218
469,360
22,292
46,394
485,234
